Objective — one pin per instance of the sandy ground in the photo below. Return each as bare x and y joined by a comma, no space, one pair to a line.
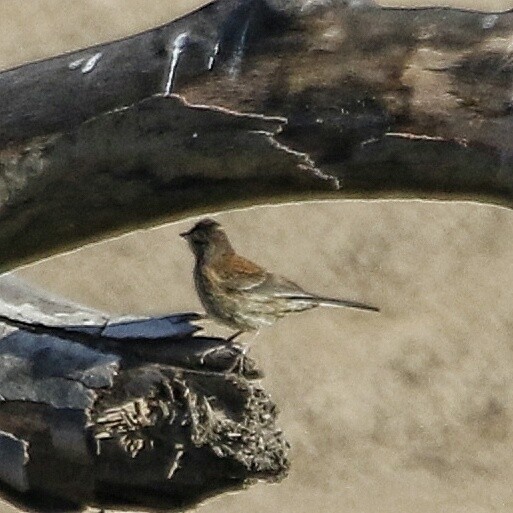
406,410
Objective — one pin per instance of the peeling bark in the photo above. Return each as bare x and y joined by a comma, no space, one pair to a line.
247,101
104,416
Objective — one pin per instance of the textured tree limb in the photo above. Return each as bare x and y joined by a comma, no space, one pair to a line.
125,413
243,101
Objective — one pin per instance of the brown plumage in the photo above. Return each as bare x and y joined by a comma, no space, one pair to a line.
240,293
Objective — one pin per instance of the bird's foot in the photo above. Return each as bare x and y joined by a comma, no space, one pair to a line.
227,342
239,364
208,352
242,349
231,338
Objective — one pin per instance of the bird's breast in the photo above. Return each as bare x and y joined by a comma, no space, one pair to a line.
223,304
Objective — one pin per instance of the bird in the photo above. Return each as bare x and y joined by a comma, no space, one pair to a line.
241,294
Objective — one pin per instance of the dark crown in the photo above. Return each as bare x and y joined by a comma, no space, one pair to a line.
205,224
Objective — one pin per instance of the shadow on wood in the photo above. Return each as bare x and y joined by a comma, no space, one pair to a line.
243,101
246,101
126,412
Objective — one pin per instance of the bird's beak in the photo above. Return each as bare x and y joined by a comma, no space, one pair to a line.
184,235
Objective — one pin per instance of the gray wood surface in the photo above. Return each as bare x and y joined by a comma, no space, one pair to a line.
115,412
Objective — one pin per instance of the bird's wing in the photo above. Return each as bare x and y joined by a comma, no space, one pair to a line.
277,286
238,273
242,275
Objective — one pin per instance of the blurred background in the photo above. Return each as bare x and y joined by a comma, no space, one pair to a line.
407,410
41,28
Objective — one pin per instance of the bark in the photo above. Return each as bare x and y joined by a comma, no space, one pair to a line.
249,101
240,102
125,412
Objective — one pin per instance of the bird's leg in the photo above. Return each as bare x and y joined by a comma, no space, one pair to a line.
243,350
204,354
231,338
228,341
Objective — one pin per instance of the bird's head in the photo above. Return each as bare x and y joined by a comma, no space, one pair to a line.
207,239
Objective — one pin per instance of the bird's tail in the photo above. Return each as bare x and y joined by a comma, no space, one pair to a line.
338,303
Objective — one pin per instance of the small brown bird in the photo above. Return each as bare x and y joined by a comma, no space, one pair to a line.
241,294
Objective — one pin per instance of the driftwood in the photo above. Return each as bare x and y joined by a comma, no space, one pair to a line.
243,101
120,412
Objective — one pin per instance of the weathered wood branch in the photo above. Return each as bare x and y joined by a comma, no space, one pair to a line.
269,98
242,101
120,412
